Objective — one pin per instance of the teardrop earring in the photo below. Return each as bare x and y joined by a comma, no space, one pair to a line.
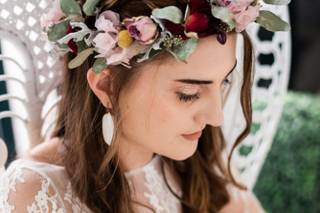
107,128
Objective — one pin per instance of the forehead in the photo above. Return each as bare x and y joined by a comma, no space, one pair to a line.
211,60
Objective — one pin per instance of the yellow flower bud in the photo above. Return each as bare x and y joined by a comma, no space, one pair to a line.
124,39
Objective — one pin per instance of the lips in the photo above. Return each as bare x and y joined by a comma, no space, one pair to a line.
193,136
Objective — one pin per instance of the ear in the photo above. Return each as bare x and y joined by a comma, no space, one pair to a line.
98,84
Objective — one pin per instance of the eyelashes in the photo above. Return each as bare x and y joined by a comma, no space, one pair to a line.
186,98
192,97
226,81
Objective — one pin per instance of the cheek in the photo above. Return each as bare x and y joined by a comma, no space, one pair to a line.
156,122
163,114
170,117
150,114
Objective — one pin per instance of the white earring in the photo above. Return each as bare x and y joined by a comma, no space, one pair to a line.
107,128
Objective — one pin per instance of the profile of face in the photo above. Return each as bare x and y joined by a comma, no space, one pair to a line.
170,100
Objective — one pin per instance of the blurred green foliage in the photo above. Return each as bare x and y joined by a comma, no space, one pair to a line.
290,178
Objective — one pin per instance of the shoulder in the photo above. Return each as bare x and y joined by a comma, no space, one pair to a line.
29,186
242,201
49,151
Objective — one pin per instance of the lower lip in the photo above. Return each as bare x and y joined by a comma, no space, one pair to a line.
193,137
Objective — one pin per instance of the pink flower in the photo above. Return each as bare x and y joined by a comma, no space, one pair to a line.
53,16
142,28
245,17
120,56
106,41
108,21
224,3
239,6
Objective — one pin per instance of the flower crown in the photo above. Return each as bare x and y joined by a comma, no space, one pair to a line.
116,41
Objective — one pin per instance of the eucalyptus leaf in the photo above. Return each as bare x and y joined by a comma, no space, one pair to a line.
99,65
80,58
224,14
78,35
154,48
81,45
89,7
277,2
272,22
183,51
58,31
171,13
70,7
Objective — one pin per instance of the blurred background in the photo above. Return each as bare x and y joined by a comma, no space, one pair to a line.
289,180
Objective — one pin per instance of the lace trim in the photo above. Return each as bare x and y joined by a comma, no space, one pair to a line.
159,195
75,202
43,201
8,184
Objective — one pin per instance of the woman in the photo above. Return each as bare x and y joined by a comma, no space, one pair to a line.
139,135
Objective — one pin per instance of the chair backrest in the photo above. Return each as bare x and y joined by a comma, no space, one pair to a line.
39,73
31,72
3,156
272,69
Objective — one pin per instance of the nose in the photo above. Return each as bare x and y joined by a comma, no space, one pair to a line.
212,111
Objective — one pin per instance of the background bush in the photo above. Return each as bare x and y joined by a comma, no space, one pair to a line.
290,178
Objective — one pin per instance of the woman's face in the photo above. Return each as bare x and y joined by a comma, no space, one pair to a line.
170,99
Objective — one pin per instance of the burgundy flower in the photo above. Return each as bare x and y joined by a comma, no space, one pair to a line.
175,29
197,22
71,44
202,21
199,6
222,38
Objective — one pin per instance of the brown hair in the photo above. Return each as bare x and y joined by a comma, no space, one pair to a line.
98,179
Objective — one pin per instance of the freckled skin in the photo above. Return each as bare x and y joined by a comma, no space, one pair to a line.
153,116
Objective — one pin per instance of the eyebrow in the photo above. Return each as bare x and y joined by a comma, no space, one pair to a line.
196,81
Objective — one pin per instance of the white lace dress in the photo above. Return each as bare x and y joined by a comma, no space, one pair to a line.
34,186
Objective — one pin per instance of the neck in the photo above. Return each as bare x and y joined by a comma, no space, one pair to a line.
133,155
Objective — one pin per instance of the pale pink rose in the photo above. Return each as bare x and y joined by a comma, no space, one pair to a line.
141,28
108,21
119,55
245,17
105,43
239,6
53,16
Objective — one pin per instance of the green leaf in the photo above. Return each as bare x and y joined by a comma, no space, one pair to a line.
81,45
58,31
90,6
99,65
171,13
272,22
183,51
70,7
224,14
80,58
277,2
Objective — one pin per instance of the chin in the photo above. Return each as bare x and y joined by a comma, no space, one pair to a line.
181,154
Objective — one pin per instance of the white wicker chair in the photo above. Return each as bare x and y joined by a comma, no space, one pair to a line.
38,72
